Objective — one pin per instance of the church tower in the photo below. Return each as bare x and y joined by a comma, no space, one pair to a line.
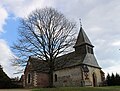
83,44
91,74
84,48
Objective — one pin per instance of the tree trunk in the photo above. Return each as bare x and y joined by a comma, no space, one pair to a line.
51,78
51,66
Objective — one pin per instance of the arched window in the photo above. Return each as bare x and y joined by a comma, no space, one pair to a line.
29,78
55,77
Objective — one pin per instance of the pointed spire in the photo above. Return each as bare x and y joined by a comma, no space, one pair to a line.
82,38
80,23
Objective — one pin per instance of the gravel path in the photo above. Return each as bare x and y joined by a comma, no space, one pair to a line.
15,90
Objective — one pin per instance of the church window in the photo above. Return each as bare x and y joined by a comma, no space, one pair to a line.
55,77
90,50
29,78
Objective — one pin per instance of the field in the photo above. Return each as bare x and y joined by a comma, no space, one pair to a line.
113,88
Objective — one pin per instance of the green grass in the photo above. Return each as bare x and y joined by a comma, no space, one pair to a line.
112,88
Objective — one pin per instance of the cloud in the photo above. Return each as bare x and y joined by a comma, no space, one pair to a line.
3,17
100,20
113,69
117,43
21,8
5,58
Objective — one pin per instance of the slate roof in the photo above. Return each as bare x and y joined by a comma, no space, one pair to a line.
82,38
37,65
67,60
72,59
90,60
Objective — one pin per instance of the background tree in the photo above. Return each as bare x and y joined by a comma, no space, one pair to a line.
5,81
113,80
108,80
117,79
46,34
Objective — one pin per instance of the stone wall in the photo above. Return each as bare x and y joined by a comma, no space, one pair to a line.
68,77
73,77
36,79
42,80
97,73
29,85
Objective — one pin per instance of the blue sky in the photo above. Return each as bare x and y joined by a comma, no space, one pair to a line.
100,20
10,30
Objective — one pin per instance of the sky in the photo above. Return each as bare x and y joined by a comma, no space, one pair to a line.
100,20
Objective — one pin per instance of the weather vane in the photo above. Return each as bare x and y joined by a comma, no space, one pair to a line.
80,22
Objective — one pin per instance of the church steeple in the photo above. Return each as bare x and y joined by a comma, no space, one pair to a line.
84,49
82,39
83,44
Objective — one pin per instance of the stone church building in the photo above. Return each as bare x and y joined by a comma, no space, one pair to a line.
81,68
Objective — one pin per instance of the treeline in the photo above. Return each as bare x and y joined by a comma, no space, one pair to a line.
6,82
113,80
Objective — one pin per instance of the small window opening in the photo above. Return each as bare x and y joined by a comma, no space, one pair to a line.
29,78
55,78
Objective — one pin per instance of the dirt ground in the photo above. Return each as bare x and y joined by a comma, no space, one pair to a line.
15,90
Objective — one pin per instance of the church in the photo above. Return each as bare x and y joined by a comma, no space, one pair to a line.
81,68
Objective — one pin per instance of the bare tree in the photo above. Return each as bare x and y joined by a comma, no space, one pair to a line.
46,34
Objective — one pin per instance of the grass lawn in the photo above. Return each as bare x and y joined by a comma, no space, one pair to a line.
112,88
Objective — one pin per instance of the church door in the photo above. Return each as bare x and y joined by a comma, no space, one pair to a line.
94,80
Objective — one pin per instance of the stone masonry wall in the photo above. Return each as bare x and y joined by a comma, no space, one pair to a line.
29,85
68,77
96,71
42,80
